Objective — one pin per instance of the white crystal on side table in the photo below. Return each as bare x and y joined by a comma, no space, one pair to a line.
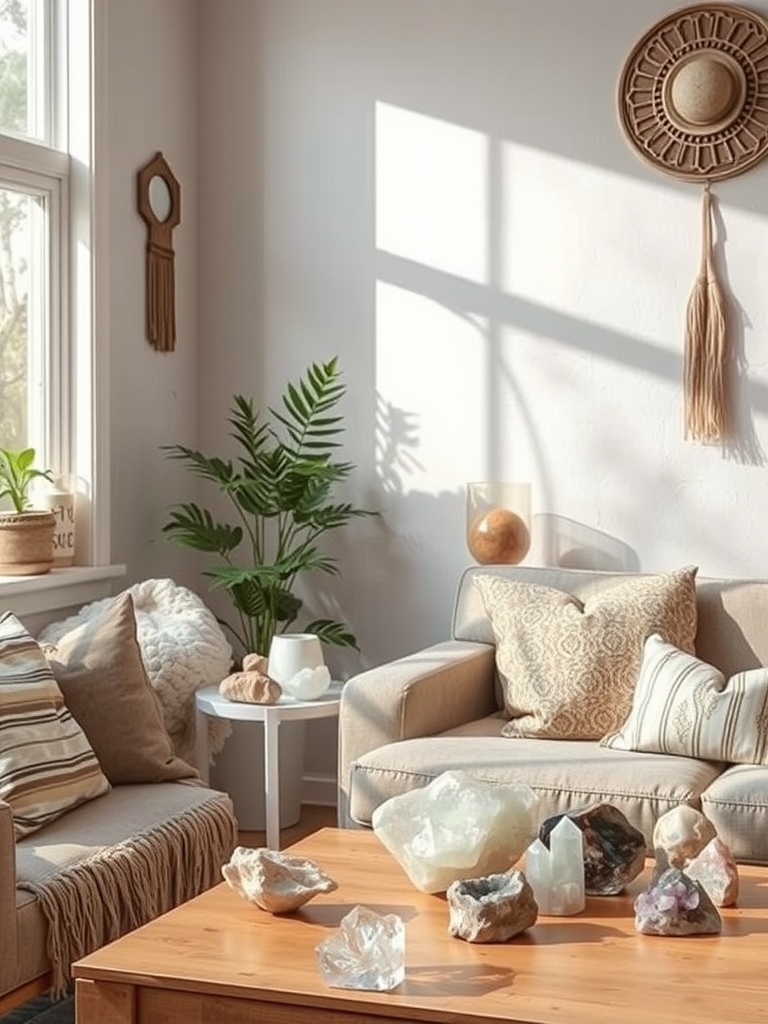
368,952
456,827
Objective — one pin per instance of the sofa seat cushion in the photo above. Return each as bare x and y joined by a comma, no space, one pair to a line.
117,862
563,773
737,805
119,816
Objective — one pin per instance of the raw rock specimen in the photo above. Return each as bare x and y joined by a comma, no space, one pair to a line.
255,663
716,870
679,834
368,952
676,905
456,827
491,909
250,688
275,881
614,850
557,874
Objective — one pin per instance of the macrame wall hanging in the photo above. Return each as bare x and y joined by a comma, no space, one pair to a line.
693,103
159,204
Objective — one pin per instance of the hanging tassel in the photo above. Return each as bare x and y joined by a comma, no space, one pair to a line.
161,316
706,337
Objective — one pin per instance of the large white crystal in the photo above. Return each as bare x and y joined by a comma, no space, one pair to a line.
456,827
556,875
367,952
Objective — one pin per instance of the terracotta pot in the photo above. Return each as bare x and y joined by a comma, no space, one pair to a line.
26,543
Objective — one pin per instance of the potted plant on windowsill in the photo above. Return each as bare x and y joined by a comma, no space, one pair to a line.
280,492
26,533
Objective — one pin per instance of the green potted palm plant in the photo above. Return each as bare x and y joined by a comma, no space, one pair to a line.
26,533
279,490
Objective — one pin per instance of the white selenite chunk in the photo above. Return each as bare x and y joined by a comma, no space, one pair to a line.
456,827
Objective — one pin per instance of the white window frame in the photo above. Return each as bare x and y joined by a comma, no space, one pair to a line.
77,439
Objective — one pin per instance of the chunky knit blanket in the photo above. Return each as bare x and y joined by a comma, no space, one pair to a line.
183,648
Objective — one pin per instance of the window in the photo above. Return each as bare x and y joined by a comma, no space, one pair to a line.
52,387
33,232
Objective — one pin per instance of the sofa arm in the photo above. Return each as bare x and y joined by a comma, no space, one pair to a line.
8,950
425,693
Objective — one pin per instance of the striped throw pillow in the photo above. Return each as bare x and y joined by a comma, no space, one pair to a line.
47,765
684,706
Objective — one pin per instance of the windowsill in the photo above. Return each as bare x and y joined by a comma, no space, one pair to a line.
60,588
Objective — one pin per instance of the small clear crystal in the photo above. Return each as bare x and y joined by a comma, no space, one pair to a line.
367,952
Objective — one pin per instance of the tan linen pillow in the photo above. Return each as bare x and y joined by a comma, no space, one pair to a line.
99,668
567,668
684,706
47,765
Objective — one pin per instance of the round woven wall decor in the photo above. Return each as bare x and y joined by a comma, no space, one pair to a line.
693,93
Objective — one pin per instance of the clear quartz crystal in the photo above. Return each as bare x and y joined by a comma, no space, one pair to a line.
556,875
537,871
367,952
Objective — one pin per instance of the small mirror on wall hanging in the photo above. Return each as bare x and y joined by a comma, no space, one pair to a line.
159,204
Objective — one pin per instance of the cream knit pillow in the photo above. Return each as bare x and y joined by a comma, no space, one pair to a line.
567,668
684,706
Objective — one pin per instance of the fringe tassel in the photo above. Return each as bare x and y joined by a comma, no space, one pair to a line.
125,886
161,315
706,346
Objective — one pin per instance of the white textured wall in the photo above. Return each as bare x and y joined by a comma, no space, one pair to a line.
152,97
448,204
438,192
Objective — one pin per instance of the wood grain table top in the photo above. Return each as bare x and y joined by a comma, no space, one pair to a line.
593,968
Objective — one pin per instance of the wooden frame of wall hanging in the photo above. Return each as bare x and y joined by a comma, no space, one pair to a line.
159,204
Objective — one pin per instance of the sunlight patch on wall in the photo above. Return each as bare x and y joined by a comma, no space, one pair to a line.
432,192
595,245
431,367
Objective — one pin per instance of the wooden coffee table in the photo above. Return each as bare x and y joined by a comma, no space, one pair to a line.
219,960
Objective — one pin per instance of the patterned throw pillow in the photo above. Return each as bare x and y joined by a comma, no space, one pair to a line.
685,706
567,668
46,764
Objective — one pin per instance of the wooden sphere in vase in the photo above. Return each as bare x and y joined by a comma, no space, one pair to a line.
499,536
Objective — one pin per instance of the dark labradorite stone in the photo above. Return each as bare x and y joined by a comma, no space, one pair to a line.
614,850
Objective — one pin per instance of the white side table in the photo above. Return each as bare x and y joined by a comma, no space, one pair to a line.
210,704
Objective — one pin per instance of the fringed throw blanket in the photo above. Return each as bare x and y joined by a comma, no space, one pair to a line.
127,885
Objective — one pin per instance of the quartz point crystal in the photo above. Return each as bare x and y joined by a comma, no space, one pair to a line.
367,952
556,874
456,827
491,909
676,905
614,850
717,872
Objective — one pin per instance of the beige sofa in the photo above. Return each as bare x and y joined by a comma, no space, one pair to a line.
185,832
405,722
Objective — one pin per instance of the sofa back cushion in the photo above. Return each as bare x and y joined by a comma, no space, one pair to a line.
732,613
47,764
568,668
99,667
